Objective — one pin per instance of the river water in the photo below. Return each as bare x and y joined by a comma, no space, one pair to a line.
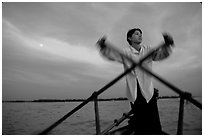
31,118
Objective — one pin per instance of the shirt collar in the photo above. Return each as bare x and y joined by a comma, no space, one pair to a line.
135,51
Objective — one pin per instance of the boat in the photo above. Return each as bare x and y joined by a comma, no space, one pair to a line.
126,129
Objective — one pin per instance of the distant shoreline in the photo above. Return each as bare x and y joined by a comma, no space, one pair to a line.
80,100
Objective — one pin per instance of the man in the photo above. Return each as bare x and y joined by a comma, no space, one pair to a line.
140,90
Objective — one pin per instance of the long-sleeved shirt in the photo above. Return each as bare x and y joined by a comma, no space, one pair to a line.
145,80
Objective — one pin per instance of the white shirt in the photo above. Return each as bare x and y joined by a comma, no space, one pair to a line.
144,79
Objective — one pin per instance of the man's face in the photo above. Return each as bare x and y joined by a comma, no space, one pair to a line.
136,37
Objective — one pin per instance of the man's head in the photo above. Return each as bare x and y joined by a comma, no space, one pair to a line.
134,36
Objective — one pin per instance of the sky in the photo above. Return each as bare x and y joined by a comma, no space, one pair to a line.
49,49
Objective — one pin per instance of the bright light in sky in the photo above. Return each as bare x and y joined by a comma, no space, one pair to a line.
41,45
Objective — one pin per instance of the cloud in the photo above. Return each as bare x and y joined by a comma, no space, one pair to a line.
53,46
57,63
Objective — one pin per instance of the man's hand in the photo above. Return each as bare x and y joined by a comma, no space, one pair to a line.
168,40
101,43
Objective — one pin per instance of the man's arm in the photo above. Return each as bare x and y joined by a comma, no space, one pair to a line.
107,52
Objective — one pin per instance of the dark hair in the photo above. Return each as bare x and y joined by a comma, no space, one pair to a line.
130,32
